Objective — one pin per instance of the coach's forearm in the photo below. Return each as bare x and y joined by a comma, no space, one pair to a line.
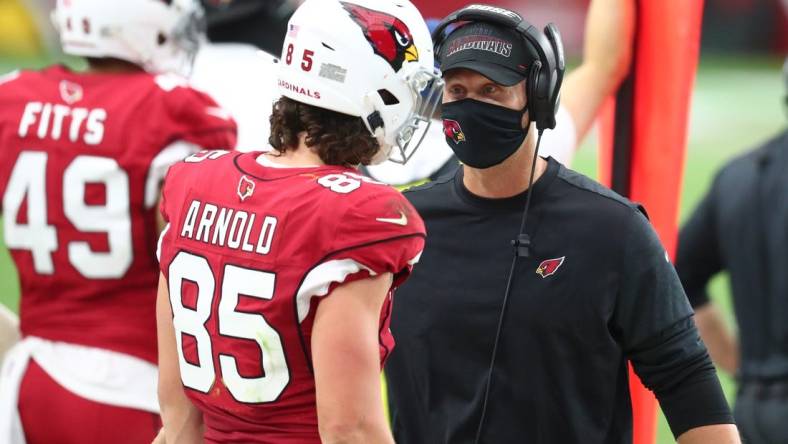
717,434
723,346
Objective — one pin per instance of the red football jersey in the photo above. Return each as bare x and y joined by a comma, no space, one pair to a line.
81,160
249,253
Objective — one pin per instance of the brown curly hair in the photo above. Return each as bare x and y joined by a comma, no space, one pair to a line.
337,138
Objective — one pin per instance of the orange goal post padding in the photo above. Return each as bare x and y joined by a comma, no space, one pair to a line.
643,136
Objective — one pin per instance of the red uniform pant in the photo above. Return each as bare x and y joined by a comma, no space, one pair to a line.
53,415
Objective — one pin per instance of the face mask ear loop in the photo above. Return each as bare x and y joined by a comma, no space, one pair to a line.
527,126
525,110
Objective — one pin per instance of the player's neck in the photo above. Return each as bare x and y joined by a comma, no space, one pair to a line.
111,66
506,179
303,156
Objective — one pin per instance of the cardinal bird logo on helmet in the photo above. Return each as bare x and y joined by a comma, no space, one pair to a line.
549,267
389,36
453,130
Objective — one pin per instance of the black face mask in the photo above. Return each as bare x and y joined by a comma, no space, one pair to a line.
482,134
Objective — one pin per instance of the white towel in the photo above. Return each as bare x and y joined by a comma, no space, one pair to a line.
99,375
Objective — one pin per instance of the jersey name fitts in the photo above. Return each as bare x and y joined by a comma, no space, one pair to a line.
233,228
56,120
81,157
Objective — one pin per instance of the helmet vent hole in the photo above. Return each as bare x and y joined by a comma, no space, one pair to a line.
86,25
161,39
327,46
388,97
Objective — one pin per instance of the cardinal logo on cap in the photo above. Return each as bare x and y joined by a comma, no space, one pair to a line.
453,130
549,266
389,36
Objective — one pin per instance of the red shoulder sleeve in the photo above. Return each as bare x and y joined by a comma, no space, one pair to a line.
378,233
382,232
166,190
192,116
169,196
6,97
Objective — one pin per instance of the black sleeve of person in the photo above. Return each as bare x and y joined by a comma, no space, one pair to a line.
653,324
698,257
677,368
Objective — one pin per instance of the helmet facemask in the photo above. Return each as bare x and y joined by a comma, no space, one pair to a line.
157,36
398,144
179,49
427,89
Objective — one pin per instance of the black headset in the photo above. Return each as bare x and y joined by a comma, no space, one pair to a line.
543,88
546,74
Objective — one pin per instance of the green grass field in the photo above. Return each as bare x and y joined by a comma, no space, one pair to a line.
736,104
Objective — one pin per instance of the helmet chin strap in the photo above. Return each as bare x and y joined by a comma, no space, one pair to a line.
383,152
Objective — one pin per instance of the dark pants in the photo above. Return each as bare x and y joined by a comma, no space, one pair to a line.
762,412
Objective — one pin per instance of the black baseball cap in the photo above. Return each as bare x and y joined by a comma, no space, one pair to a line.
496,52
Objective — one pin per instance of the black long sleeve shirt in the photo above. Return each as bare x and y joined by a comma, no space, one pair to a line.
596,290
741,226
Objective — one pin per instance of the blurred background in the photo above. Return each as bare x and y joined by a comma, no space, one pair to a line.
738,99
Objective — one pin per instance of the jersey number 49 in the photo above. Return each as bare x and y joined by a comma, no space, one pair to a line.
37,235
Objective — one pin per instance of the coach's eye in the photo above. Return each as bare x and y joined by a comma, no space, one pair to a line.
456,91
490,89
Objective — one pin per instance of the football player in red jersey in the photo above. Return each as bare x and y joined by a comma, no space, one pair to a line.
82,156
278,268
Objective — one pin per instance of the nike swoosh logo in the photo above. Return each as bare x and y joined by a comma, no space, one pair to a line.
402,220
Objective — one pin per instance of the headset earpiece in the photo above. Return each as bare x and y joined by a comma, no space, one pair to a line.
531,88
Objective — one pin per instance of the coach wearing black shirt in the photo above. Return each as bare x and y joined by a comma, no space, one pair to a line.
741,226
594,290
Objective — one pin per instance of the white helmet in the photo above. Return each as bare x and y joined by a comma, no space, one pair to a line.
367,58
159,36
